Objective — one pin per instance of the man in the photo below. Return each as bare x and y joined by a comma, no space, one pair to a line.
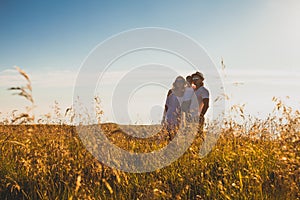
187,99
189,80
202,95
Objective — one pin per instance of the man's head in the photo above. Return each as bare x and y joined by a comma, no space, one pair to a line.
197,79
189,80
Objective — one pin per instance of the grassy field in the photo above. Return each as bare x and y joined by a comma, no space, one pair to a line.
248,162
252,159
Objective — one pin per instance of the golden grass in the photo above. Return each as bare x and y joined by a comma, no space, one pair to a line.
50,162
256,159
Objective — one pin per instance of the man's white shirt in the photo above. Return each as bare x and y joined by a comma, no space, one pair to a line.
197,103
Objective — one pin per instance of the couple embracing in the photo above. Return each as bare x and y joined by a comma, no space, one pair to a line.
187,101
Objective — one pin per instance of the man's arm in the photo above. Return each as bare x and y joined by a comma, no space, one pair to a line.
203,111
205,106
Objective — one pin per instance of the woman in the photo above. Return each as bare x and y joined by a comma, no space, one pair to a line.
174,100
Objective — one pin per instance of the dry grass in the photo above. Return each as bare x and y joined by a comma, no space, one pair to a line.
256,159
50,162
26,92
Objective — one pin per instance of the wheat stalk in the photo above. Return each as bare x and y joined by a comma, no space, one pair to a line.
26,92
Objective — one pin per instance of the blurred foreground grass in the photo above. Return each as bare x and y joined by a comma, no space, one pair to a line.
50,162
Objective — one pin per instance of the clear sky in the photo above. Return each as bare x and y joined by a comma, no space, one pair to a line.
259,41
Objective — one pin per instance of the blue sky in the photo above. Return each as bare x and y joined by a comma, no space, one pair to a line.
58,34
50,40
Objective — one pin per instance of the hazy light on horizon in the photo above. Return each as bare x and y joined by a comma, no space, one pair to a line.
255,89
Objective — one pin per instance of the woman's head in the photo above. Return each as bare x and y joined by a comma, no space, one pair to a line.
179,82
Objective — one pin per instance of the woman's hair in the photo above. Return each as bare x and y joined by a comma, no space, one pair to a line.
178,78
